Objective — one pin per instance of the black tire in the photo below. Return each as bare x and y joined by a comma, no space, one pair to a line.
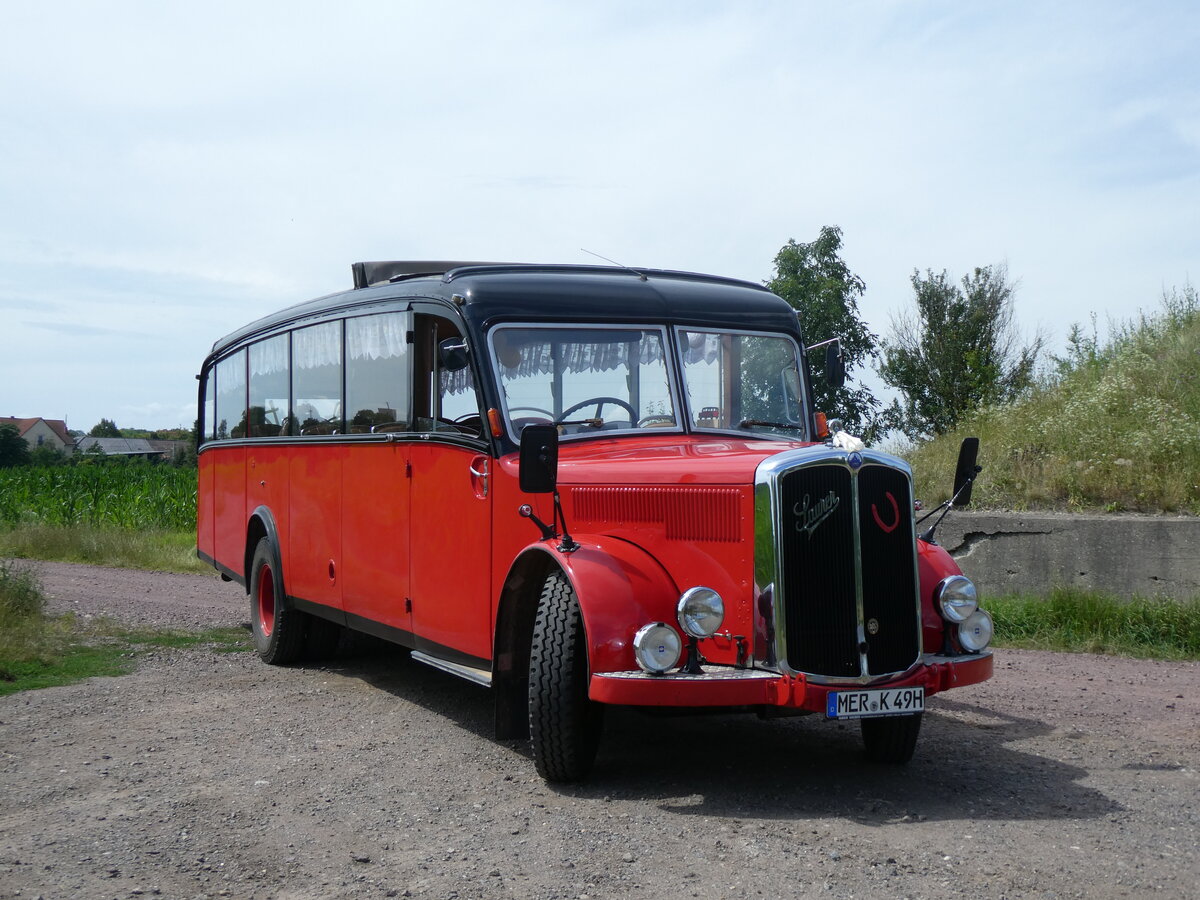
891,739
564,725
278,630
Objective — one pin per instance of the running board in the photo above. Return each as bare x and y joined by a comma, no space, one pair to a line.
479,676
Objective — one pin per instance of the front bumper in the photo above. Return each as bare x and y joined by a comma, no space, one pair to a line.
726,686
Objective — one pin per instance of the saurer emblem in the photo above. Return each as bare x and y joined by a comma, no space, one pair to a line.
809,516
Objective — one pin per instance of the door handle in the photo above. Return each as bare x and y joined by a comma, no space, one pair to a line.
482,476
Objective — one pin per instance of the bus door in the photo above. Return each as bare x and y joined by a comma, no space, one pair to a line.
450,540
375,476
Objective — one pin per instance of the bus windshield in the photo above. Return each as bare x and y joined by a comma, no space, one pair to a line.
742,382
588,380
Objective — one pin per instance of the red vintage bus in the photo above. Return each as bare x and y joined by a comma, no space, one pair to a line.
578,486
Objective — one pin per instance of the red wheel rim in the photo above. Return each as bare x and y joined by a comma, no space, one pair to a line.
266,600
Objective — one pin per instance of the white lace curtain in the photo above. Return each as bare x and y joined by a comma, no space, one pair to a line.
269,357
317,346
377,337
577,354
700,346
231,373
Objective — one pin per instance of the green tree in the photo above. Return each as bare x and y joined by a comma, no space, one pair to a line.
815,280
46,455
960,351
13,449
105,428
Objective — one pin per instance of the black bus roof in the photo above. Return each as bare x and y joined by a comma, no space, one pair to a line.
486,293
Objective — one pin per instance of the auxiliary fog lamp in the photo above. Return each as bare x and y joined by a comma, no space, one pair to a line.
656,647
958,602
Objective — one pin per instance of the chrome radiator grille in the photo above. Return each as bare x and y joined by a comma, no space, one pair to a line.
841,564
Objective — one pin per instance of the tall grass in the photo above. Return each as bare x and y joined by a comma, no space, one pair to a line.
164,551
1115,427
27,639
134,496
1084,621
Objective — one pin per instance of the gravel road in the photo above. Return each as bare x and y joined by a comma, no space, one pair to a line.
209,775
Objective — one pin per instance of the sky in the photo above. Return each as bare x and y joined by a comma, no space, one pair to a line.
170,172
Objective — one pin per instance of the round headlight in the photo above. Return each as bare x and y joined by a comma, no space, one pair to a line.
976,633
956,598
656,647
700,612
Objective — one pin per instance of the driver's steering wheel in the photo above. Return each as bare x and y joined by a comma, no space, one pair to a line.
599,401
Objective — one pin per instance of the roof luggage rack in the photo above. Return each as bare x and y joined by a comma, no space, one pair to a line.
370,273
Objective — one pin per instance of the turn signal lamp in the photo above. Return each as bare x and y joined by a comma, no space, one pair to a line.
822,425
495,423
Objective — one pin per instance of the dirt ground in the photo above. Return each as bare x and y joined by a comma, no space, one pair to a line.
208,775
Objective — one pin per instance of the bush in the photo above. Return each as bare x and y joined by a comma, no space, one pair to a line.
20,595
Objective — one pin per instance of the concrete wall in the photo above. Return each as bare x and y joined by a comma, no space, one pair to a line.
1033,552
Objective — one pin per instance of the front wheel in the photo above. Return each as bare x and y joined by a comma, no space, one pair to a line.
891,739
278,630
564,725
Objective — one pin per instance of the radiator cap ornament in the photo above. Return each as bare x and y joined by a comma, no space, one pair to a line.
853,447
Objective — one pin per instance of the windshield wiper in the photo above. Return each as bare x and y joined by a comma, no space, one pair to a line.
747,423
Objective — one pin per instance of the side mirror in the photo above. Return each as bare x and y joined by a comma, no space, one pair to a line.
965,472
452,354
835,364
538,473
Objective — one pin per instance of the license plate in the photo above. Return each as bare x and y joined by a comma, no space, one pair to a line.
886,702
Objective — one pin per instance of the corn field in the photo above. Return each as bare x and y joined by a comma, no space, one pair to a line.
135,496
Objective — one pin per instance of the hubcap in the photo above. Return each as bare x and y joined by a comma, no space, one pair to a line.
266,601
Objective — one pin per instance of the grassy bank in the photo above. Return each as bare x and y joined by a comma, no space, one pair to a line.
157,550
38,651
1115,427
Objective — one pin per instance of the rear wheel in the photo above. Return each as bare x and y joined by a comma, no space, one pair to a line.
891,739
564,725
278,630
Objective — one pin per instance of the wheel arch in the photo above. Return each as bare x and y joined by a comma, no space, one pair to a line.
261,524
619,587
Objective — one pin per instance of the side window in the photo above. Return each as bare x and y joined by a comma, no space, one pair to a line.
378,373
446,399
209,424
231,396
269,387
316,380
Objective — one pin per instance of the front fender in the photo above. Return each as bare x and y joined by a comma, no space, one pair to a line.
620,587
933,564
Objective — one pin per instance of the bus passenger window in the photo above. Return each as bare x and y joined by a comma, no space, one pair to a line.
317,380
268,386
377,373
231,396
208,424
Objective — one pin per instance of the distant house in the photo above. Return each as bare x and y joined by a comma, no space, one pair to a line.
122,447
39,432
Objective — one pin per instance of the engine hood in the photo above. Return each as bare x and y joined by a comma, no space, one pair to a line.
675,460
